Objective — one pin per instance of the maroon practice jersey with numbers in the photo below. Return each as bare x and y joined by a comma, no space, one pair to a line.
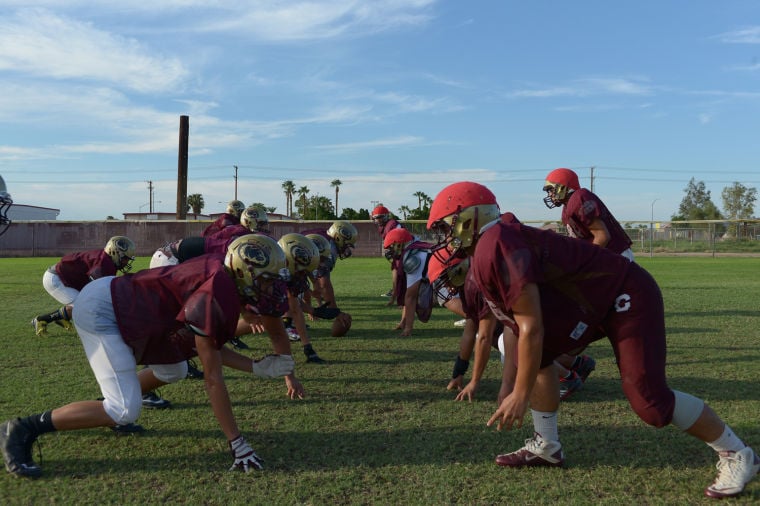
581,209
78,269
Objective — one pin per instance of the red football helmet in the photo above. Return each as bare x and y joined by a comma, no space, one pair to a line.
381,215
458,213
395,242
447,276
559,185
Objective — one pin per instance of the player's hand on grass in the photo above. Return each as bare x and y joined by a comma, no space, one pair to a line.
295,388
245,458
456,383
468,392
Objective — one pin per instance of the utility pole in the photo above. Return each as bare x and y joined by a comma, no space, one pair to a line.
150,197
592,180
236,179
184,134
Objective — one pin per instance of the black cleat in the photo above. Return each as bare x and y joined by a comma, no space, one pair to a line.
192,371
127,429
16,444
153,401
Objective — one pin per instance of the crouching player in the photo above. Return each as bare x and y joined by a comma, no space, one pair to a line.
160,318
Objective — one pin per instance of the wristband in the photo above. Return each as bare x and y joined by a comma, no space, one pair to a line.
460,367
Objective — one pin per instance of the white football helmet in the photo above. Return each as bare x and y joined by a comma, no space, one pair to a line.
301,253
235,208
255,219
254,261
122,251
345,235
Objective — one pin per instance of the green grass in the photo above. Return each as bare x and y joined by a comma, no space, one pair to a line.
378,426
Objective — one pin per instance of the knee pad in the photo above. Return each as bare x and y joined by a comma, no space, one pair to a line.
170,373
687,410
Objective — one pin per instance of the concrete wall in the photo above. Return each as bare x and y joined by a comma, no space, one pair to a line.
58,238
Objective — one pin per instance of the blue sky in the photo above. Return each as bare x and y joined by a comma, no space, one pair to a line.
389,96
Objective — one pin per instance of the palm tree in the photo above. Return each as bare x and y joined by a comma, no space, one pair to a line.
302,193
404,210
419,198
336,184
196,202
290,188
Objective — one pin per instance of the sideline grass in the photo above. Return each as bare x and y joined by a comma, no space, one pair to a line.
378,426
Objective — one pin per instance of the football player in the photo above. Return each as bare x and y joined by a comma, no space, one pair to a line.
385,222
411,288
231,216
5,204
303,259
560,291
584,214
64,280
160,318
342,237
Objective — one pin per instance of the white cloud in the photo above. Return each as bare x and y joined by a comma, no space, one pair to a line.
39,43
588,87
393,142
749,35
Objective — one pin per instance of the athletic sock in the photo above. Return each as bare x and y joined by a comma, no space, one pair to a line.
727,442
545,424
39,424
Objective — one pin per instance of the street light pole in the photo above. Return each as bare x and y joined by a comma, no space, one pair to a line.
651,229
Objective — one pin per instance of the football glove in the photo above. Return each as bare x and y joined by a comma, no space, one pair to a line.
273,366
245,458
326,313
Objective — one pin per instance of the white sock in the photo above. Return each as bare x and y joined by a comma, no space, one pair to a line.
545,423
727,442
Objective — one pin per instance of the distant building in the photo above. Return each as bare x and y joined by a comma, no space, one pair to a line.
164,216
21,212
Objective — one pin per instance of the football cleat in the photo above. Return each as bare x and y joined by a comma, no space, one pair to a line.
40,327
460,323
313,358
153,401
192,371
66,324
389,293
568,386
292,334
585,367
16,445
735,470
237,343
127,429
536,452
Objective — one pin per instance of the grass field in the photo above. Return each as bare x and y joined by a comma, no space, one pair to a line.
378,426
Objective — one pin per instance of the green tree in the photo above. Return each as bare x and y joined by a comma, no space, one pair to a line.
738,203
353,215
196,203
303,192
404,210
335,183
289,187
697,204
319,207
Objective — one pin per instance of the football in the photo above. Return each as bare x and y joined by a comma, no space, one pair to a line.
341,325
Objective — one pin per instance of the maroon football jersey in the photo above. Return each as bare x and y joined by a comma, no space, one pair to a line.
475,308
582,208
578,282
78,269
222,222
389,225
233,231
154,307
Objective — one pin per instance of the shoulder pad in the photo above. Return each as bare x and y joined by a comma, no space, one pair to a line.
412,261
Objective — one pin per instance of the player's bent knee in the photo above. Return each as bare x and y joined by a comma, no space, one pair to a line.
124,411
170,373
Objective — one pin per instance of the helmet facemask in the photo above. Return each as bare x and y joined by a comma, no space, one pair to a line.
458,233
450,282
255,219
5,204
556,194
344,234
